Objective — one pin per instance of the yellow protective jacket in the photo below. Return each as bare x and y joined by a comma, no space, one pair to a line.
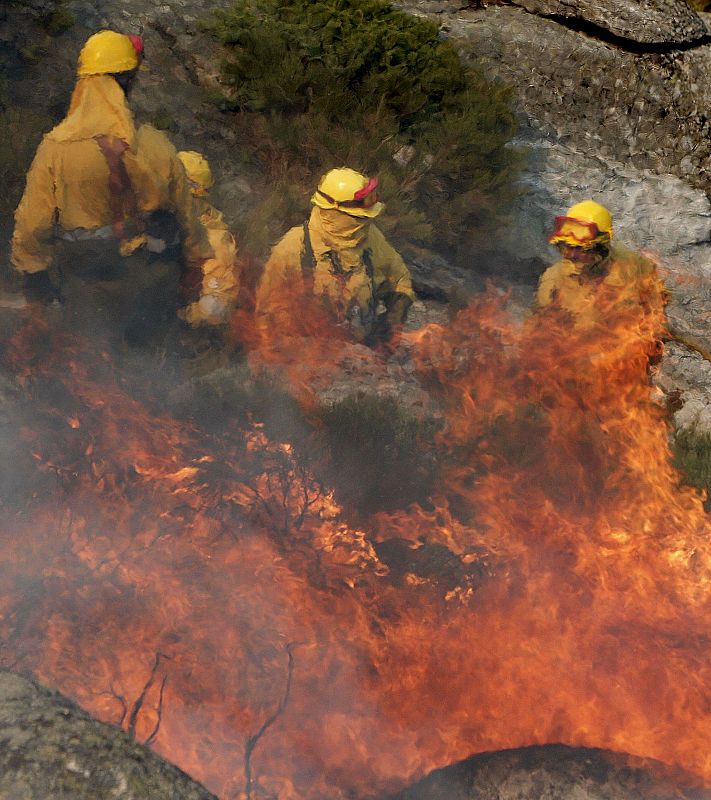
68,187
630,280
353,266
220,274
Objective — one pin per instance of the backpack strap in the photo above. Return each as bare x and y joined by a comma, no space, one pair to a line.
122,197
308,261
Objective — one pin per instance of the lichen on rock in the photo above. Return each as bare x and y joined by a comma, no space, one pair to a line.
49,748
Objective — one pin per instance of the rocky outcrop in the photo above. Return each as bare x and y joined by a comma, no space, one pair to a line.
613,101
553,772
49,748
650,22
603,100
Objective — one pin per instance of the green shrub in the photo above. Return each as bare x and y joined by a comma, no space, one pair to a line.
317,84
163,120
59,20
33,53
692,457
375,457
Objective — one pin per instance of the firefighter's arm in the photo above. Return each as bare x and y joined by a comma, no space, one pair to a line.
281,280
393,282
220,282
652,295
547,286
390,268
653,291
159,180
32,247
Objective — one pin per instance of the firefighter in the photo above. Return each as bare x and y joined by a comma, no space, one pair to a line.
343,259
105,201
593,275
220,275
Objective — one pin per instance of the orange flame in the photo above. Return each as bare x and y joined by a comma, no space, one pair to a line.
207,594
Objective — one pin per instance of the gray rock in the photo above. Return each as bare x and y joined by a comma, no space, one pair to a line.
49,748
554,772
648,21
606,120
685,380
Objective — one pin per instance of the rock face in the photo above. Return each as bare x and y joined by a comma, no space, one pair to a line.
612,99
553,772
609,104
653,22
49,748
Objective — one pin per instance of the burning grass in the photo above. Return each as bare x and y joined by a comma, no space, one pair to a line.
202,587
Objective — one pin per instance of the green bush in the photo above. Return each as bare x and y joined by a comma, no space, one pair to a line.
692,457
59,20
317,84
375,458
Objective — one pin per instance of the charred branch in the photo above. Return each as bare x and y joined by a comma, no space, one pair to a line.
69,754
253,741
138,705
121,701
159,713
297,492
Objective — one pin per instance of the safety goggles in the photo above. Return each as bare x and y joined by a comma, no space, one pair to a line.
576,233
366,197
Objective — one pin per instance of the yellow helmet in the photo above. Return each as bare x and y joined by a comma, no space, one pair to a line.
346,190
585,225
198,172
108,52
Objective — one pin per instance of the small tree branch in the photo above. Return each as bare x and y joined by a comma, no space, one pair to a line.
138,705
159,713
252,741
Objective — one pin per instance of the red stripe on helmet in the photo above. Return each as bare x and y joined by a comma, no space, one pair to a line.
371,186
137,42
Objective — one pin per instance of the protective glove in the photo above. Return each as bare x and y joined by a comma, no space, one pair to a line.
386,330
128,246
208,309
397,309
38,288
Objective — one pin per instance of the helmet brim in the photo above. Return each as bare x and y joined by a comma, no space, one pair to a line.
371,212
319,200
